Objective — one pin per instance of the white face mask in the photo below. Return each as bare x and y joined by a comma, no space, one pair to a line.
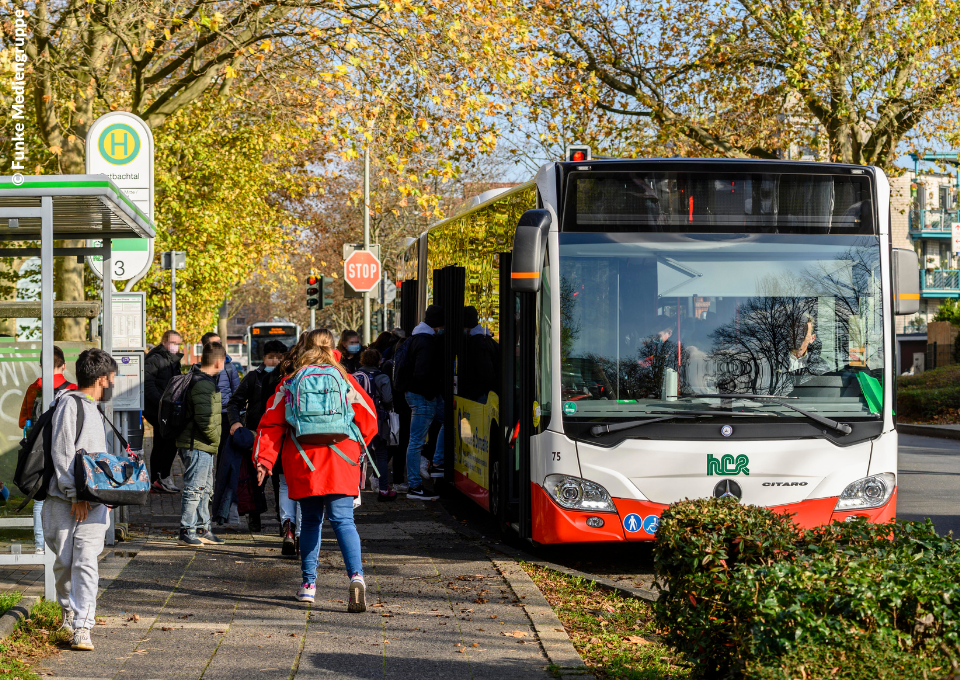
173,348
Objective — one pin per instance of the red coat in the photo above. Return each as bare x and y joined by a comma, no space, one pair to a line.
331,474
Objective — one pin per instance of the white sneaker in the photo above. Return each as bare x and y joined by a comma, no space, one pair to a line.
40,551
307,592
424,468
67,624
168,484
401,488
81,640
358,595
374,484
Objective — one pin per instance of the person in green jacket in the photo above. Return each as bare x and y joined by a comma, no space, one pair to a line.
198,444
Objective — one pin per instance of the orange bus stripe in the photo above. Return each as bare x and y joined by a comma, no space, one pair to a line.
524,275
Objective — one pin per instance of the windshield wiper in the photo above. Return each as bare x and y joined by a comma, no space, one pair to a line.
832,424
598,430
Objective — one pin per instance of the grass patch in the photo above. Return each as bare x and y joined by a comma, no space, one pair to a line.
33,639
615,635
9,599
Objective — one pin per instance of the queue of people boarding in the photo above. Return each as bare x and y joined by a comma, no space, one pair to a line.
302,418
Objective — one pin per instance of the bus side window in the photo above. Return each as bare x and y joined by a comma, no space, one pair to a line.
544,374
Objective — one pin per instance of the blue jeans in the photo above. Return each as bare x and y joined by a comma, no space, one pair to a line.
339,510
197,490
424,411
289,510
37,526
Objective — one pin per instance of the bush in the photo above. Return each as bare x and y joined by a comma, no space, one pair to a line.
800,591
927,403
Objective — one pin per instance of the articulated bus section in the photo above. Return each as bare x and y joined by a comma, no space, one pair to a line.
667,330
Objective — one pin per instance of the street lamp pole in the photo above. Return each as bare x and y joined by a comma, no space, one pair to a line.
173,290
366,238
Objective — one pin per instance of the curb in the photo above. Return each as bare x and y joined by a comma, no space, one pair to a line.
553,636
936,431
15,614
518,554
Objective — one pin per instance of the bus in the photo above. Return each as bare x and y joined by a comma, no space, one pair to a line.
260,333
671,329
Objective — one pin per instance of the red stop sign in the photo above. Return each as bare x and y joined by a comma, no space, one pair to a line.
362,270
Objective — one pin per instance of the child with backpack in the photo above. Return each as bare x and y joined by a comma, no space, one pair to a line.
198,443
376,384
75,530
319,422
30,411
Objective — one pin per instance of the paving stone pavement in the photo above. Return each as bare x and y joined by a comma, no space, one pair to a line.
437,606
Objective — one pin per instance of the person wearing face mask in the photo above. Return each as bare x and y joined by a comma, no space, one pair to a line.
481,359
250,400
350,349
75,530
160,365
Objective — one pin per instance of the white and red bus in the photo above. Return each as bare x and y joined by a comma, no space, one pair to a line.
672,329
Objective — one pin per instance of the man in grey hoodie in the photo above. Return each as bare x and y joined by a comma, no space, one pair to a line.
75,530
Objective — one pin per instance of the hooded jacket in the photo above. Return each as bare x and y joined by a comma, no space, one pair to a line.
159,367
331,473
423,364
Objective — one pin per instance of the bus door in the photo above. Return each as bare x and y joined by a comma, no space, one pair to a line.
449,286
408,305
517,330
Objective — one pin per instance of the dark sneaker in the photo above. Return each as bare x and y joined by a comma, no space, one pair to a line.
389,495
209,538
254,524
188,539
418,493
436,471
289,540
358,595
168,485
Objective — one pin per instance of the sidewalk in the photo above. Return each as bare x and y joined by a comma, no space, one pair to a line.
230,612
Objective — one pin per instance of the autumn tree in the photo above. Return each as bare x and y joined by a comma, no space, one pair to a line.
852,81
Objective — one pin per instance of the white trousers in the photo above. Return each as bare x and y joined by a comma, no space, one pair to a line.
77,546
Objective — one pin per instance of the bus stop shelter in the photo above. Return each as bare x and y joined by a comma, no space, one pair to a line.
52,208
49,208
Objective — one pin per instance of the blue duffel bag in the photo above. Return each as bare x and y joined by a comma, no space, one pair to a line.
111,479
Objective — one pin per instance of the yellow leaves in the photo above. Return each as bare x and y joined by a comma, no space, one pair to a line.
230,71
345,21
266,45
55,150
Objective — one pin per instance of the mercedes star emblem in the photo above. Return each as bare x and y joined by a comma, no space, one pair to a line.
727,488
726,430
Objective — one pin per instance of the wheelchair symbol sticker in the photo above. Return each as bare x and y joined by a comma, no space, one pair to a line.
650,524
632,522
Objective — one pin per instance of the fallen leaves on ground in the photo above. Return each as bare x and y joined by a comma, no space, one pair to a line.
515,634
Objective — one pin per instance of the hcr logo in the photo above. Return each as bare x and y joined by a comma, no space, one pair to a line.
726,465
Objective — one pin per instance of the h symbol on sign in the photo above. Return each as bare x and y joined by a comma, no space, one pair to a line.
114,143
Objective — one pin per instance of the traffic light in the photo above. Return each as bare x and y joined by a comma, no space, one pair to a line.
313,292
578,153
326,291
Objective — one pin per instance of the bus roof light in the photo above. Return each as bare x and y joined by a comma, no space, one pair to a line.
578,153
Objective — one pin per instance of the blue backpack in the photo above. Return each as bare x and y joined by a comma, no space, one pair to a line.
319,410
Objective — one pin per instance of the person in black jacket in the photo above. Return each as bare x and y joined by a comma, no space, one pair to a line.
249,402
160,365
480,367
421,380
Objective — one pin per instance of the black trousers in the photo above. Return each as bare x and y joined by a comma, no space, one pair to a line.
162,457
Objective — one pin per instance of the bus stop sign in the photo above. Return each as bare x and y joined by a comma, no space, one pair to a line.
361,270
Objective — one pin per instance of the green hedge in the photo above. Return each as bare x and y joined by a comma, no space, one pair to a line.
748,594
927,403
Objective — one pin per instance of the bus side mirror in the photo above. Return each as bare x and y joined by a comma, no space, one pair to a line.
529,247
906,281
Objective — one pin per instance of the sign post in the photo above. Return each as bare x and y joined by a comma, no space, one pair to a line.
120,145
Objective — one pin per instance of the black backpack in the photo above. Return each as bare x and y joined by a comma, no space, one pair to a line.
172,418
35,459
38,402
400,370
368,381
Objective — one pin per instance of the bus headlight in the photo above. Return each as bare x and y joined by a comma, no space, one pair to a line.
869,492
578,494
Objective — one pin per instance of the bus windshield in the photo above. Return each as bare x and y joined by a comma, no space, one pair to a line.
650,319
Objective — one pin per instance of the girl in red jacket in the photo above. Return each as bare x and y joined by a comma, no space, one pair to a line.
333,484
